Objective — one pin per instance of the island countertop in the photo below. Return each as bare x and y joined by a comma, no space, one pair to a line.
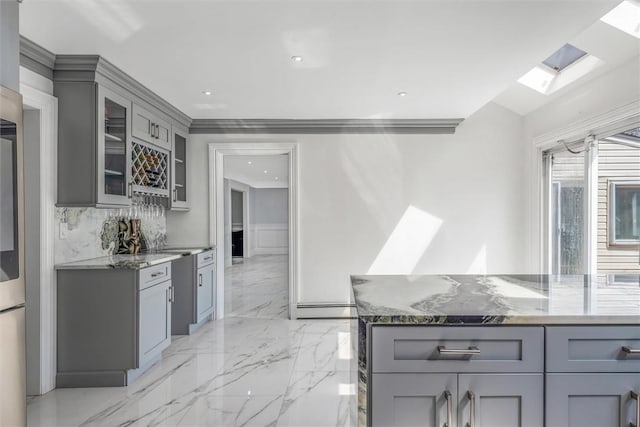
497,299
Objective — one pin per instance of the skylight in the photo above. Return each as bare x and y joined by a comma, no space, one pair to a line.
564,67
563,57
625,17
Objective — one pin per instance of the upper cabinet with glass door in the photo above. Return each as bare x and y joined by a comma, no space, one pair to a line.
109,147
114,152
94,159
179,177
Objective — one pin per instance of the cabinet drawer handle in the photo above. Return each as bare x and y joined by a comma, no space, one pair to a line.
636,397
200,279
157,131
207,258
471,351
472,409
629,350
159,273
449,398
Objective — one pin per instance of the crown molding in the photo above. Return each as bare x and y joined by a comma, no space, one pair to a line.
94,68
324,126
36,58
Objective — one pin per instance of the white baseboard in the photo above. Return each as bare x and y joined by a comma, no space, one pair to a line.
270,251
325,311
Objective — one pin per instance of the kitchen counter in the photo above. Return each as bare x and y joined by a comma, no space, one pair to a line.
133,261
499,299
421,336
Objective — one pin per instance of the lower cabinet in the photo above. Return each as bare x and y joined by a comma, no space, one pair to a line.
194,278
456,400
154,321
206,292
504,376
592,400
112,324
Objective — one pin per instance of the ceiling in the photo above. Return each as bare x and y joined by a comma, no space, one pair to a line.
250,170
597,40
451,57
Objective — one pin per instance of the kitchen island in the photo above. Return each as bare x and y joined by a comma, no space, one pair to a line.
492,351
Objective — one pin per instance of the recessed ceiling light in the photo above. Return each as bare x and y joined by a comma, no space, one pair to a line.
296,58
402,93
625,17
276,178
249,162
265,171
206,92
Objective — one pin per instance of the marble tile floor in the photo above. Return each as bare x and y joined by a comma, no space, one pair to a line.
237,371
258,287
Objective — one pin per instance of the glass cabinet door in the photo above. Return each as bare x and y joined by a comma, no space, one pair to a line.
179,171
114,171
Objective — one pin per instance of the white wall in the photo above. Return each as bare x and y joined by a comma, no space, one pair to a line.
269,205
355,189
269,221
615,89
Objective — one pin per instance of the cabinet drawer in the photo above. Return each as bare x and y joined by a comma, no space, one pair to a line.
441,349
593,349
156,274
206,258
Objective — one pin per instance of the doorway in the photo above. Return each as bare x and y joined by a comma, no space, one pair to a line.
261,239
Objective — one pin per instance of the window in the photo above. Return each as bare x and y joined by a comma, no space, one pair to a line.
563,57
624,212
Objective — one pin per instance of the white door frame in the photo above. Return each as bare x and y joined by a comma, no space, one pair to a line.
217,151
590,130
48,107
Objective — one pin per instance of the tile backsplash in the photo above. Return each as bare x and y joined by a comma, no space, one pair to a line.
84,233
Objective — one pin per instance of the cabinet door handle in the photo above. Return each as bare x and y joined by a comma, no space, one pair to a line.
168,291
157,131
130,189
175,194
629,350
471,351
636,397
200,279
173,293
472,409
449,398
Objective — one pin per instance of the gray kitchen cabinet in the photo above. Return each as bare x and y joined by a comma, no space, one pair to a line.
501,400
194,277
495,376
593,375
179,175
479,400
154,321
94,157
114,135
403,400
112,324
150,128
206,291
592,400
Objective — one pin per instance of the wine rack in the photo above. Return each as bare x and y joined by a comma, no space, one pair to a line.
149,170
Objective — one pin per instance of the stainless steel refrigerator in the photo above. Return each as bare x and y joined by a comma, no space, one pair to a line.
12,290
